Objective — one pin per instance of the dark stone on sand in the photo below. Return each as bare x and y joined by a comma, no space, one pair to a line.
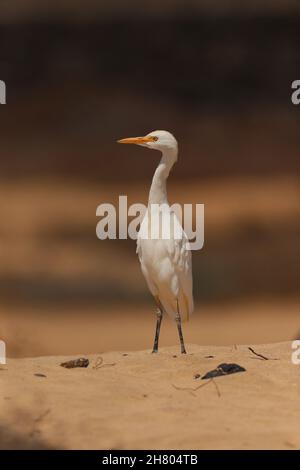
81,362
224,369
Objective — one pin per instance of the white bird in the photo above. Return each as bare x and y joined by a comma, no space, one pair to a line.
166,261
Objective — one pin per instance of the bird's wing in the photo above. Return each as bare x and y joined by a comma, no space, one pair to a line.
162,259
147,276
181,257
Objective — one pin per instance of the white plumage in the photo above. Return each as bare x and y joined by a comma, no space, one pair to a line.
162,245
167,267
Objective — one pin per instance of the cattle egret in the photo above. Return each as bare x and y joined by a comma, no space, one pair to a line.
166,262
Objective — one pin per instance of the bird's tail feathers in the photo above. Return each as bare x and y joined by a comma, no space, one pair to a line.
185,307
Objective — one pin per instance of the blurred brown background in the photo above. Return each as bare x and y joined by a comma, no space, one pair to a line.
80,75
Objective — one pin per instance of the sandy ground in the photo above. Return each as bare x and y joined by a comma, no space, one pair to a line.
140,400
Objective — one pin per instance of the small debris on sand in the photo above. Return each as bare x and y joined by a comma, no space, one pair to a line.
193,390
99,363
40,375
261,356
224,369
42,416
81,362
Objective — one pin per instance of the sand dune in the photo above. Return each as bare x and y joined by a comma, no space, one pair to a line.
139,400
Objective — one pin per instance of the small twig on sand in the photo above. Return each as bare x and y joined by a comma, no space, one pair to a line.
42,416
193,390
264,358
217,388
99,363
35,429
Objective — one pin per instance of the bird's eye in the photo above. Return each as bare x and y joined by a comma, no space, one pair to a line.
154,138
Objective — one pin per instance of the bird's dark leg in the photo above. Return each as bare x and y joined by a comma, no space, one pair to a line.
158,324
178,323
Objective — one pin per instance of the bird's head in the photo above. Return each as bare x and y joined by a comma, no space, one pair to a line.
163,141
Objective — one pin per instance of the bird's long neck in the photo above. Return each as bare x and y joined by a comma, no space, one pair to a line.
158,190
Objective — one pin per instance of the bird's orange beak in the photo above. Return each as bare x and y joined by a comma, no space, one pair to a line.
136,140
